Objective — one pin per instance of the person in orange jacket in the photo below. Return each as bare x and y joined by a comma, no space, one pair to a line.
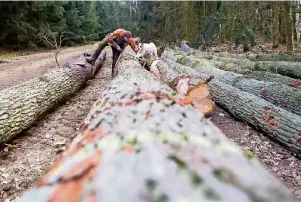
118,41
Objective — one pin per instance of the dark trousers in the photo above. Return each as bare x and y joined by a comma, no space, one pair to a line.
116,54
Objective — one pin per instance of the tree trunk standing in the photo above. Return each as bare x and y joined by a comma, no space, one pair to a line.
275,25
294,21
23,104
282,23
289,31
128,150
277,123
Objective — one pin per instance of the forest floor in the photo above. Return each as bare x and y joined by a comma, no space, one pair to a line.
27,157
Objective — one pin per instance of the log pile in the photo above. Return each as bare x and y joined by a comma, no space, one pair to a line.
242,66
23,104
277,93
141,142
281,125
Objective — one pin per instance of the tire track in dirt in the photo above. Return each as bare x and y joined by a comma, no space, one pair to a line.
37,148
26,67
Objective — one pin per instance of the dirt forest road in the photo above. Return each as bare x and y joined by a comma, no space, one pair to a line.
22,68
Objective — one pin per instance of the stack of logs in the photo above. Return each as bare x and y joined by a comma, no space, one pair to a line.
146,140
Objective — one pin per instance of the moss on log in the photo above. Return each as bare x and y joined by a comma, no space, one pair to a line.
142,143
24,104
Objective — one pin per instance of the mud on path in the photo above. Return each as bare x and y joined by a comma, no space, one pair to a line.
22,68
36,149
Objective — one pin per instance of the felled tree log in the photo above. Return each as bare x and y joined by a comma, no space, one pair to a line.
274,57
193,61
24,104
190,85
242,66
279,94
291,69
276,122
273,77
141,143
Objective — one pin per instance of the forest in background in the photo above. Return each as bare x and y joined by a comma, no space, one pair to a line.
203,23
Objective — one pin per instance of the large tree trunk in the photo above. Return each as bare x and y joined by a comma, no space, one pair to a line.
24,104
141,143
291,69
279,94
275,25
251,56
274,57
272,77
288,26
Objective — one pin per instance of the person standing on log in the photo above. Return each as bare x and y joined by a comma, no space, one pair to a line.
118,41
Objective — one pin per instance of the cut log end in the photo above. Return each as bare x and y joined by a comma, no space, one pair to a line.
200,98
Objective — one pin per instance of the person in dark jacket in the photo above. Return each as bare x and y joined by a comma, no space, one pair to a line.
118,41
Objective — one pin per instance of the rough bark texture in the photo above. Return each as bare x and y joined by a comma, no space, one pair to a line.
141,143
279,124
275,25
291,69
272,77
24,104
265,116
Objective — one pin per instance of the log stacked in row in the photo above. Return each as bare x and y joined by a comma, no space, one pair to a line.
140,142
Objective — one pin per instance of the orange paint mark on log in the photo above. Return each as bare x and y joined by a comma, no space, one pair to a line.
128,148
200,97
295,83
71,186
269,119
299,137
89,136
91,197
184,101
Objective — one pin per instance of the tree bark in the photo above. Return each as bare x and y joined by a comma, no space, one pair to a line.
23,104
277,78
141,143
288,27
276,122
290,69
274,57
275,25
